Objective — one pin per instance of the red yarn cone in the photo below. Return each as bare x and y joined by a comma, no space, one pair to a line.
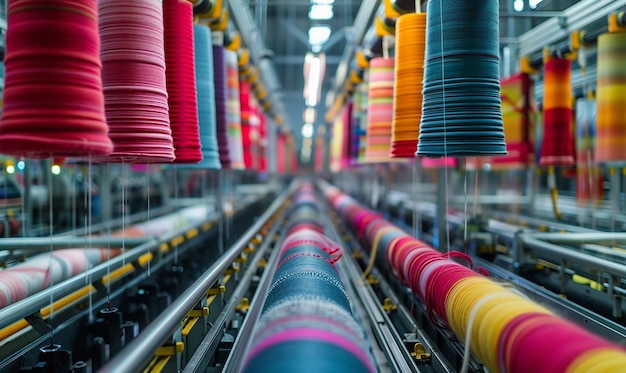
53,102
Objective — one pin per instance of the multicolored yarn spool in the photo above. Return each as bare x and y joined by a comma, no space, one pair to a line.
52,101
517,98
358,127
134,82
461,113
505,330
246,115
361,102
557,148
221,104
589,176
235,142
408,77
306,323
611,98
181,80
205,92
380,110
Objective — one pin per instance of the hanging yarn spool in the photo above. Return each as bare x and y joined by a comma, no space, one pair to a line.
205,92
557,148
53,102
133,79
360,132
461,113
407,88
246,114
235,142
221,104
358,125
336,144
380,110
181,80
611,98
588,180
517,111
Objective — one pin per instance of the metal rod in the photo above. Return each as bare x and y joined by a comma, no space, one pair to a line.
578,238
29,243
573,256
139,352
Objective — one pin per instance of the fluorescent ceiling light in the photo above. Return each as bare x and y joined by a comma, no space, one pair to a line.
323,2
321,12
319,35
309,115
313,82
307,130
533,3
518,5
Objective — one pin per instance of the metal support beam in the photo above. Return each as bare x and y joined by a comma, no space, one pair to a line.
578,16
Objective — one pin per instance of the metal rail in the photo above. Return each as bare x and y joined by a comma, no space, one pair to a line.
578,238
139,351
586,260
29,244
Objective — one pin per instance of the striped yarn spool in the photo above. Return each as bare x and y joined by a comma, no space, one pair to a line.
246,114
461,114
205,92
611,98
235,142
52,100
134,83
502,326
589,176
181,80
380,110
306,321
221,104
359,124
407,89
517,110
361,101
557,147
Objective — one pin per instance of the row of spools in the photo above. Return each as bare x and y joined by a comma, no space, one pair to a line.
306,324
506,331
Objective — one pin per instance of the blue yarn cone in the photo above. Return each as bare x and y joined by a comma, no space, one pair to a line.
461,113
206,100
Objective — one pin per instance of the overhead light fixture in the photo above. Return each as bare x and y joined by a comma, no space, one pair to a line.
322,2
309,115
314,68
321,12
318,35
518,5
533,3
307,130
